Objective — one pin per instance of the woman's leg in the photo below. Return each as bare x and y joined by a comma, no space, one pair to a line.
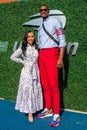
30,117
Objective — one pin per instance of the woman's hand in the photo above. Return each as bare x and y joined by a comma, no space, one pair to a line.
24,65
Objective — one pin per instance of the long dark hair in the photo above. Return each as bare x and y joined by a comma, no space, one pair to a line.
24,42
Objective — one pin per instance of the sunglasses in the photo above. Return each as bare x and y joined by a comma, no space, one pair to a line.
43,10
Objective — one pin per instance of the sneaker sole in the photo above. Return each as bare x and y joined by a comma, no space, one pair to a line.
54,125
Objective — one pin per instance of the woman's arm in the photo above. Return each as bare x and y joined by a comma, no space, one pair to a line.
15,56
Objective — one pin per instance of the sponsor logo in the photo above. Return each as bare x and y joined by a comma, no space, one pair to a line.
70,45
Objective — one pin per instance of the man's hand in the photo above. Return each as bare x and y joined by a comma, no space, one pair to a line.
59,63
60,59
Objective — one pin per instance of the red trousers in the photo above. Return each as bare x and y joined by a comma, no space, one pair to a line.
49,78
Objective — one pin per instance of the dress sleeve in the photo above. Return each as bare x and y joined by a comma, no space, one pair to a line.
16,56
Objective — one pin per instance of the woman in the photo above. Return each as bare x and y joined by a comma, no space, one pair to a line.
29,97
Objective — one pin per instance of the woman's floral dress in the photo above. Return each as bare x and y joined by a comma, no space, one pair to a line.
29,97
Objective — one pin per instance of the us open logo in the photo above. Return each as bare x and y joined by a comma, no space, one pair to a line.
36,21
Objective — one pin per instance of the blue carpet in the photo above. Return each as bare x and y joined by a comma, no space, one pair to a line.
10,119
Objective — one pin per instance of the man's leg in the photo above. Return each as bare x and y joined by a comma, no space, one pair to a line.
45,79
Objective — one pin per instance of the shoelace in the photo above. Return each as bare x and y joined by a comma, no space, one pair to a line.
55,117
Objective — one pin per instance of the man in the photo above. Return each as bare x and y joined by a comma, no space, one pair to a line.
50,60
